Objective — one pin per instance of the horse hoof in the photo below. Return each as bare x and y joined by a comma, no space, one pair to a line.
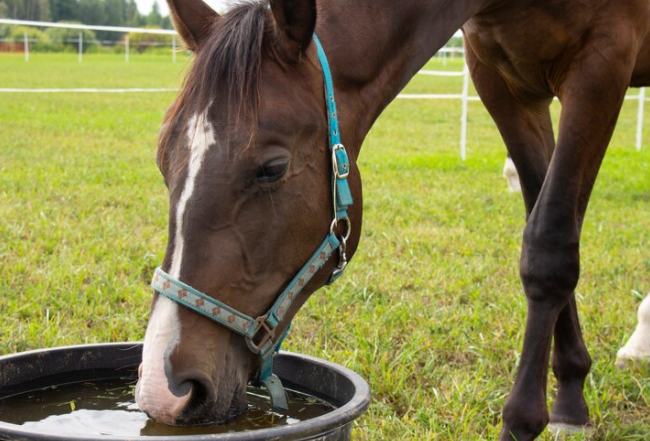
571,429
631,358
633,364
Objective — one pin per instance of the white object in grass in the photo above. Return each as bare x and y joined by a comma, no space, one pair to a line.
510,173
638,346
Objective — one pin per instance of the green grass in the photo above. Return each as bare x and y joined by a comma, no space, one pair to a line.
431,310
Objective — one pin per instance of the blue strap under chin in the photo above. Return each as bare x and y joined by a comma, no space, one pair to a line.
266,377
260,332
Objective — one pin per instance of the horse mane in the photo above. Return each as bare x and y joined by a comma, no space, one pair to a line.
229,60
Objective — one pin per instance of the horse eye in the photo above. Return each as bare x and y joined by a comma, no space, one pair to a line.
273,170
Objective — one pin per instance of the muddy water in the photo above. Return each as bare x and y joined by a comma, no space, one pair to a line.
107,407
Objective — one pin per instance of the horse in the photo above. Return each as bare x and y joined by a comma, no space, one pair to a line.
511,175
246,154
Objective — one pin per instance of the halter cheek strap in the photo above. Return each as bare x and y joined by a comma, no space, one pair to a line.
260,332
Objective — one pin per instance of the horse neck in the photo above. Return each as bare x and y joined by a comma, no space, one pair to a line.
376,46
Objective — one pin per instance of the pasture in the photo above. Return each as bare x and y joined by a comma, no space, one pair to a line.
431,310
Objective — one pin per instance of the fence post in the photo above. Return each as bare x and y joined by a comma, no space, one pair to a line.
26,40
173,48
126,48
639,119
463,117
81,44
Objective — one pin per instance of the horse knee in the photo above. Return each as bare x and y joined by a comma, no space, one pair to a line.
550,264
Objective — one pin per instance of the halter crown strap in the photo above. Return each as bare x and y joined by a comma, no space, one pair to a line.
340,161
260,332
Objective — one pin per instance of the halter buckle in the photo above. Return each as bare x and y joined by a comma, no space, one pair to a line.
340,154
266,342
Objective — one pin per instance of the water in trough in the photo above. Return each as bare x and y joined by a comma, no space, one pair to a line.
107,407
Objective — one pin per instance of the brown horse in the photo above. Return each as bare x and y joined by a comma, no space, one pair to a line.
244,154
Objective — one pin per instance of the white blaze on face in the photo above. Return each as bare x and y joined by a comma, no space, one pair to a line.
153,393
200,137
638,347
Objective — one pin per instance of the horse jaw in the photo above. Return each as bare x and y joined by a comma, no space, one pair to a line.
637,348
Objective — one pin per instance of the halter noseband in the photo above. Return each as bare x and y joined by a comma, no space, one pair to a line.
260,332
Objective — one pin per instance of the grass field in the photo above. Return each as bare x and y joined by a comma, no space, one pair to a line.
431,311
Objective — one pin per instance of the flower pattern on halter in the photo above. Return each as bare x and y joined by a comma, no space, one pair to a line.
199,302
230,317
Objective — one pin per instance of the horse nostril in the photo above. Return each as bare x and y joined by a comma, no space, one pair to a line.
200,385
202,393
181,389
202,399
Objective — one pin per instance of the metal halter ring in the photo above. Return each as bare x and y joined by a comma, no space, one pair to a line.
348,228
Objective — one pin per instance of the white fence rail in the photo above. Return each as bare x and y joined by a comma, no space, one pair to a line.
443,54
465,98
81,27
45,24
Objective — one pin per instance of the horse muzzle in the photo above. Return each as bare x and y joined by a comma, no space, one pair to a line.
189,378
191,400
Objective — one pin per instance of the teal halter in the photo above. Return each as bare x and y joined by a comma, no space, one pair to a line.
260,332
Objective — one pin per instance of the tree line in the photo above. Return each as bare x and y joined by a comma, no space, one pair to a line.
92,12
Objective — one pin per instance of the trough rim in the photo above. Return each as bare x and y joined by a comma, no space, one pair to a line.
313,428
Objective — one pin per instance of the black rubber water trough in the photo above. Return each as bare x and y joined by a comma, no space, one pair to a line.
335,384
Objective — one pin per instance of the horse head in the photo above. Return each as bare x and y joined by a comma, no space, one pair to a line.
244,153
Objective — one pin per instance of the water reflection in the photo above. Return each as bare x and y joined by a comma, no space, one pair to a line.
107,407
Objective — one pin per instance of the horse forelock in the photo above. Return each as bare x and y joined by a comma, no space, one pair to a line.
226,72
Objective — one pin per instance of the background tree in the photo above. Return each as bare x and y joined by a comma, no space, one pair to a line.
142,42
70,37
38,40
97,12
65,10
154,18
133,17
115,12
44,10
91,12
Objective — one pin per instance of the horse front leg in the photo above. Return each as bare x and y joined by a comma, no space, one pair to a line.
591,95
571,364
527,131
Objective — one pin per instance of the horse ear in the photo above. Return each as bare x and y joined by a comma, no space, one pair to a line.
295,22
192,19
